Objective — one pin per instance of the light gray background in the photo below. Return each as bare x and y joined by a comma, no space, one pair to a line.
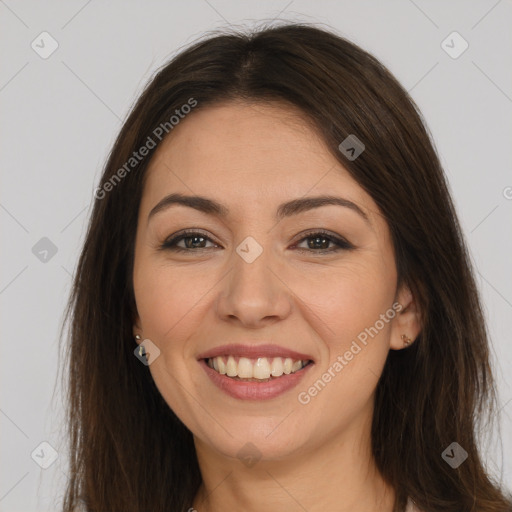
60,116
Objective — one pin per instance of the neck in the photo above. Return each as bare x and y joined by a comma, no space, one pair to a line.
338,475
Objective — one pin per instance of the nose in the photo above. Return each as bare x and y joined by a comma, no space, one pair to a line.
254,294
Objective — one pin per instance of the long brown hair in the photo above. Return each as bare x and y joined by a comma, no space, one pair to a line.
129,451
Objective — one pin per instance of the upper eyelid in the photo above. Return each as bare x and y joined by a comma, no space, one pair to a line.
188,233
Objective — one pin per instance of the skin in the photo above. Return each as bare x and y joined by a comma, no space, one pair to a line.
251,158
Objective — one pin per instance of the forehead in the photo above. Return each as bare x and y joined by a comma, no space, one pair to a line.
247,153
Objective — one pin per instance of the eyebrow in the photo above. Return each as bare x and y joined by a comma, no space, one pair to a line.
293,207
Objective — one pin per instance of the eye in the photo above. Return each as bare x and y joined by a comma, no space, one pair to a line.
318,242
191,239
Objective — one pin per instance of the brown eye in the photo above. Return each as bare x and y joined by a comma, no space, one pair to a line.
322,242
192,240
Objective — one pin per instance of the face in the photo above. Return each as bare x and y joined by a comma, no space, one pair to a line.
310,281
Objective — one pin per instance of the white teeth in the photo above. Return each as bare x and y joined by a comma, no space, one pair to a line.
222,365
244,368
297,365
231,367
277,367
261,368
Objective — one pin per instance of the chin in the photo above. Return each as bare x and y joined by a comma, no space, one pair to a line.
256,438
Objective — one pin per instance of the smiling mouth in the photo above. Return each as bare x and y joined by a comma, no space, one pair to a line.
260,369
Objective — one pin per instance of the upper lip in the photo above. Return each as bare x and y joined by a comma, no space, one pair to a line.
253,351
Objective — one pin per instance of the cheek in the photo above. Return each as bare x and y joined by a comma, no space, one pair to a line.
346,314
168,299
170,303
346,307
341,301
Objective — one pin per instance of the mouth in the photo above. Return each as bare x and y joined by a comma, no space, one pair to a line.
255,372
261,369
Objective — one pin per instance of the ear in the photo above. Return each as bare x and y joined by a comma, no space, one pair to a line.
407,320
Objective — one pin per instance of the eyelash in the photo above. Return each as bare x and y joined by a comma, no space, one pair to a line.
342,244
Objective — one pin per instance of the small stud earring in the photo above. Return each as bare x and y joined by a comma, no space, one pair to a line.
406,340
137,337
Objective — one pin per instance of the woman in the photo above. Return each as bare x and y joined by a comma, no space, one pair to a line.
274,307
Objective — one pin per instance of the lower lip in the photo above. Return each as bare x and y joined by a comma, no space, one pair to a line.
255,390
